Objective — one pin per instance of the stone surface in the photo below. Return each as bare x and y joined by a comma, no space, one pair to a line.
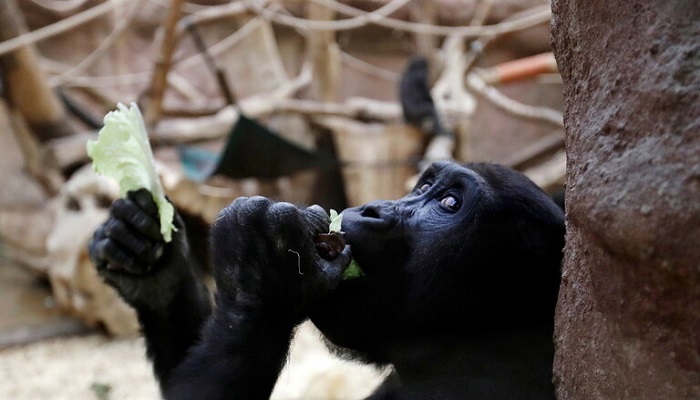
628,319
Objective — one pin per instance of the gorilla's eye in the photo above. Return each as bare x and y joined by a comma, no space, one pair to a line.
424,188
450,203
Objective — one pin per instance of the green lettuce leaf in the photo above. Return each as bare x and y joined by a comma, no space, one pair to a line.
122,151
336,221
353,271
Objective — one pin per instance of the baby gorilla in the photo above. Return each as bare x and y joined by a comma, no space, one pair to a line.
461,280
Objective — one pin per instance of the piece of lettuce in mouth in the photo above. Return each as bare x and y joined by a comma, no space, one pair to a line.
336,221
353,271
122,151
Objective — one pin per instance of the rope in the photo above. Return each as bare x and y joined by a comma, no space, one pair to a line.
535,16
58,27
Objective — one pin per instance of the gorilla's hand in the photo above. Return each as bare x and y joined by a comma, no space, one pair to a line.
130,254
265,256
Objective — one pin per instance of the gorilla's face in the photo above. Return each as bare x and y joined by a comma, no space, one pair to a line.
456,250
390,239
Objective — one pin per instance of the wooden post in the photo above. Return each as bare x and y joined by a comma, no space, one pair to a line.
26,89
324,56
159,81
425,12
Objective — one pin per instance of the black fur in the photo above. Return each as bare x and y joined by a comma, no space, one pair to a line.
461,282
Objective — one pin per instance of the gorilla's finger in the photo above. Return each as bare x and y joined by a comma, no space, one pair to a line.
119,260
292,227
144,250
100,232
133,215
178,222
98,252
331,271
282,213
325,277
227,214
144,199
342,261
252,210
317,216
239,200
95,249
346,257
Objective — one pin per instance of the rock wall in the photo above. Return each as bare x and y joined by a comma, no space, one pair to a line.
628,319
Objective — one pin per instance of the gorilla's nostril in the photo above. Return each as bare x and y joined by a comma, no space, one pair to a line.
370,212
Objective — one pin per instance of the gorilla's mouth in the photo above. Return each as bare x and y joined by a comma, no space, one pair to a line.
329,246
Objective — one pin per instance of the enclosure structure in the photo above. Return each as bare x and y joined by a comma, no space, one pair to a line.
323,76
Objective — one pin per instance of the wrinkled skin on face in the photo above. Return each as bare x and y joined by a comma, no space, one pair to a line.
469,249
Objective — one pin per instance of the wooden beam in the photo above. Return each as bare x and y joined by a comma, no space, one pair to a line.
324,56
159,81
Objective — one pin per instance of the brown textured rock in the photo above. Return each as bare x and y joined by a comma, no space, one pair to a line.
628,319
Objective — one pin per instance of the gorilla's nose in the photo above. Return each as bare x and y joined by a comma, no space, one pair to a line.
380,214
371,210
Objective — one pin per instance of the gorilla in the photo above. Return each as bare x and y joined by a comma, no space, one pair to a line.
460,283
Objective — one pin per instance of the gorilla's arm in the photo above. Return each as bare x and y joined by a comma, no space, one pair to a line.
268,276
159,280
